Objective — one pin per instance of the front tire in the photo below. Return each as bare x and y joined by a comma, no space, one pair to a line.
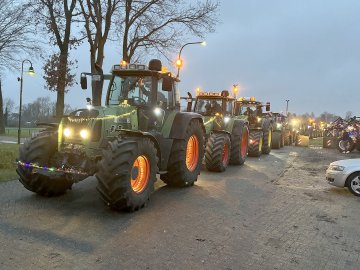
38,151
267,138
126,173
345,145
353,183
239,147
217,153
186,157
276,140
255,143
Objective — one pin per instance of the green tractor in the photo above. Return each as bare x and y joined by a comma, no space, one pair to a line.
260,125
280,133
140,132
227,138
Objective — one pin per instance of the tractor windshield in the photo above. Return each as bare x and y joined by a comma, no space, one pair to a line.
248,109
136,90
213,106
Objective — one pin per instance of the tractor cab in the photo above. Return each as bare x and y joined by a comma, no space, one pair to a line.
214,103
251,109
280,120
141,86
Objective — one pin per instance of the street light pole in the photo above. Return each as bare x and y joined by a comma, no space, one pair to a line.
31,71
179,61
287,107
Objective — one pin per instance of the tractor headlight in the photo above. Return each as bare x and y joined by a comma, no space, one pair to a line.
157,111
67,132
278,125
259,119
84,133
226,119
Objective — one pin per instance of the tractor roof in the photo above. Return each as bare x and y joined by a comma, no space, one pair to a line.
140,70
214,95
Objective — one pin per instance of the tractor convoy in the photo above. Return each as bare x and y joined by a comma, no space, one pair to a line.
141,132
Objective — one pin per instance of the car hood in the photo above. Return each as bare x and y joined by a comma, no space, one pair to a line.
347,162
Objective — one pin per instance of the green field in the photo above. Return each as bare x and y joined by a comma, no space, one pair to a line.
8,154
25,132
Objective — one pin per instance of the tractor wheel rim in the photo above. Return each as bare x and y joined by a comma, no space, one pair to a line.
355,185
260,144
244,144
225,154
141,181
269,138
192,153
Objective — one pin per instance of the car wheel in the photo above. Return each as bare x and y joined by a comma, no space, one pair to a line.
353,183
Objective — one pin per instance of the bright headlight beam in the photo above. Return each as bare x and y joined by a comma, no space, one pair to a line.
157,111
67,132
84,134
226,120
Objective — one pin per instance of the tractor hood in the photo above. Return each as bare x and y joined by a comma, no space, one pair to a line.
90,125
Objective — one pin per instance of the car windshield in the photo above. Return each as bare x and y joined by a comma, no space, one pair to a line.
135,90
212,106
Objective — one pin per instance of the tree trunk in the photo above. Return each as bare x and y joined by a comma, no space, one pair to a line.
96,68
2,123
61,84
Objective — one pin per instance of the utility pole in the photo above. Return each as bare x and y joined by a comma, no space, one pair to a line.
287,107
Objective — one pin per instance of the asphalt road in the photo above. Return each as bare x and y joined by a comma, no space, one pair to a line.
276,212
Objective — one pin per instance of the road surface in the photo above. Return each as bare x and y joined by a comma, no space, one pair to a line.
276,212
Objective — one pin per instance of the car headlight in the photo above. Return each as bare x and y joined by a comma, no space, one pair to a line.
84,133
67,132
226,119
336,168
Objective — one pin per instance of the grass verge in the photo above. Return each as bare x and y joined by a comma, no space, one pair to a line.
8,154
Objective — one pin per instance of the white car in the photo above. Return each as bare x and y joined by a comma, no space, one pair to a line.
345,173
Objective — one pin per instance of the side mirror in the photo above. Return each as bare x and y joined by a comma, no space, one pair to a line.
167,84
83,82
268,106
189,102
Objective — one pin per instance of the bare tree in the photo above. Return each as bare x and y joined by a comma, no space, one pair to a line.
17,34
162,25
98,18
348,115
57,17
16,39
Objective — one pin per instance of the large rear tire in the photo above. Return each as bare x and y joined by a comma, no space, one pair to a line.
217,152
239,147
255,143
267,138
126,173
38,151
186,157
276,140
345,145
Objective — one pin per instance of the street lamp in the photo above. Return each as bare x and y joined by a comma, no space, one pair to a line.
31,72
179,61
287,107
235,89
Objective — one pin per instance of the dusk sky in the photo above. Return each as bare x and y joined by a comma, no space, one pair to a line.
307,51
